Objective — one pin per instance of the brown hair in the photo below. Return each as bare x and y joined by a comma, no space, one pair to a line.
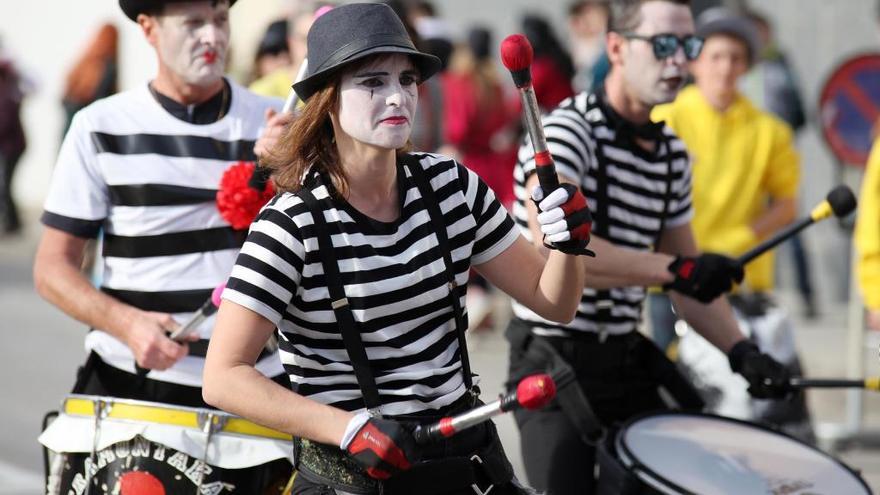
626,15
309,140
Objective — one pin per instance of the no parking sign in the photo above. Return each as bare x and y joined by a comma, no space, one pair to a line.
849,107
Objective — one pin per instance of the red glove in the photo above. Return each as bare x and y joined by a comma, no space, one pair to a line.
383,447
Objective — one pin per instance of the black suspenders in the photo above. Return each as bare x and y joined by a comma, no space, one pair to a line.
351,338
354,346
430,200
601,219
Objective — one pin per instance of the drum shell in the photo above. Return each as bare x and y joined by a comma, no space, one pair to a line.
142,466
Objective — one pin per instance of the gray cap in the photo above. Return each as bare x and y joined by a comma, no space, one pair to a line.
719,20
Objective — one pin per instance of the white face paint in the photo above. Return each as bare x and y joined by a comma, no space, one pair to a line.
377,101
655,81
192,40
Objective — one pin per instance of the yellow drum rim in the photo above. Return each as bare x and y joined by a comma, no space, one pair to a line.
154,412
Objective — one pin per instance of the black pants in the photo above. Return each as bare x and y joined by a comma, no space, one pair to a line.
9,217
617,383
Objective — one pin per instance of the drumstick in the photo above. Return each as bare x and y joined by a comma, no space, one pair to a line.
292,97
516,54
840,202
533,392
207,309
869,383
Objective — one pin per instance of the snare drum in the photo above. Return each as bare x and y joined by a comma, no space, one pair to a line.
120,444
686,453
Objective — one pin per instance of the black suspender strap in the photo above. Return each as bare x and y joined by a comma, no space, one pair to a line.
351,338
601,227
601,219
436,216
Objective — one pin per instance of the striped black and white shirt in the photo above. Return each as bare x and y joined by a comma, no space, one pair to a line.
394,280
644,189
149,181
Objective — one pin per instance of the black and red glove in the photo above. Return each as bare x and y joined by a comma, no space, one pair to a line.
565,219
705,277
383,447
767,377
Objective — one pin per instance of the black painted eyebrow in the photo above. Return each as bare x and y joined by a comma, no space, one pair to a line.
407,72
371,74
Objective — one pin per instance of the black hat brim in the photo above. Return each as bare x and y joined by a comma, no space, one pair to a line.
427,65
132,8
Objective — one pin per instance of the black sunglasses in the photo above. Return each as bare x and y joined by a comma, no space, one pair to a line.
665,45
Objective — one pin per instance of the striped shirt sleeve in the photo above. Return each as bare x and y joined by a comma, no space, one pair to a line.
78,199
270,264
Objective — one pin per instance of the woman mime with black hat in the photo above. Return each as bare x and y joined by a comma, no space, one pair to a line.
360,262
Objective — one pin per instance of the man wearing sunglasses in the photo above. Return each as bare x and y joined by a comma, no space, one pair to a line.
636,176
745,182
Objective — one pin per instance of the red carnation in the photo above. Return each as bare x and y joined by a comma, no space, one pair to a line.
237,201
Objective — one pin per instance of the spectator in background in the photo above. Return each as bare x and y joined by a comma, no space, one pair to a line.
12,142
746,170
277,83
867,234
435,32
272,52
867,237
552,68
772,86
479,122
480,130
587,20
94,75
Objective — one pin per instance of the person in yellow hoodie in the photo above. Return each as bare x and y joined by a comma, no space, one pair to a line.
745,166
868,237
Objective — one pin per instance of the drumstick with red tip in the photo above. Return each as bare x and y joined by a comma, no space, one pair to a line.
516,55
532,393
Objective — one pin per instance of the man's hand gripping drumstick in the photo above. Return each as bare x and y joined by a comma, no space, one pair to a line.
563,212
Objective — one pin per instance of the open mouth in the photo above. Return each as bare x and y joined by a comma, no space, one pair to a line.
673,82
210,57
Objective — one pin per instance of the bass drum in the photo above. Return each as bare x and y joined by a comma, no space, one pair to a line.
688,453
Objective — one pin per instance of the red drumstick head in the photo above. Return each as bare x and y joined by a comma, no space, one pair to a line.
217,294
516,55
516,52
535,391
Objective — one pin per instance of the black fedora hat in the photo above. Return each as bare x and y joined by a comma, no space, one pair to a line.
134,7
354,31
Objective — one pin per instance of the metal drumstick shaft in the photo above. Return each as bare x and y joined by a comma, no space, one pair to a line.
869,383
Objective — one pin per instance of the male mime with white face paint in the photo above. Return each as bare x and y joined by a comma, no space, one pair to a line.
143,167
636,177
